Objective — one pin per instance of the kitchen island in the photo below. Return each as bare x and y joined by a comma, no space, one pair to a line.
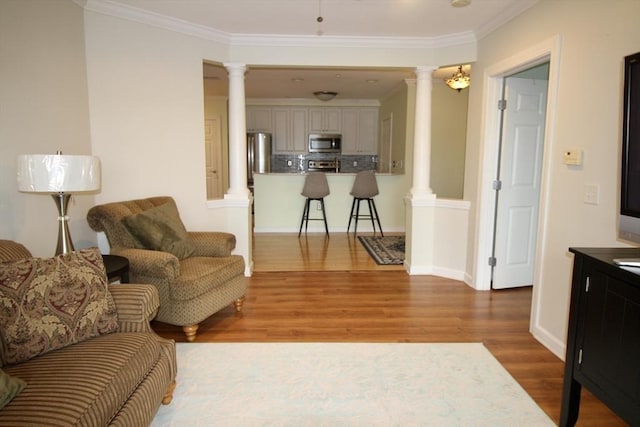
278,203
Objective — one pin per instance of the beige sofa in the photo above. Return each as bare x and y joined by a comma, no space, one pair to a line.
75,350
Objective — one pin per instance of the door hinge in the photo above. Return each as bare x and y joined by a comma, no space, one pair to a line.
580,357
497,185
586,285
502,104
492,261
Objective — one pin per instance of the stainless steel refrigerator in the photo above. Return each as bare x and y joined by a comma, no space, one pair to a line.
258,155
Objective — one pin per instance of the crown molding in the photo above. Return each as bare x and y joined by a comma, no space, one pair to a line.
353,42
118,10
505,16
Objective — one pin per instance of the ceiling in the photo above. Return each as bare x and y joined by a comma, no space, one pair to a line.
363,83
361,18
377,19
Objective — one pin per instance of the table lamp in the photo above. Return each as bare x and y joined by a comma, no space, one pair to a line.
61,176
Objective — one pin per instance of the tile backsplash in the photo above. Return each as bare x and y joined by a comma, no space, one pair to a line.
283,163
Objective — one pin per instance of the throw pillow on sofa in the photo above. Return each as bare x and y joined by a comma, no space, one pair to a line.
161,229
10,387
50,303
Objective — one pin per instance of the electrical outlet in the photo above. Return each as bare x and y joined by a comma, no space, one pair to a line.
289,163
355,163
318,206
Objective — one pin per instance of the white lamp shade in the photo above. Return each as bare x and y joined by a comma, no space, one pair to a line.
58,173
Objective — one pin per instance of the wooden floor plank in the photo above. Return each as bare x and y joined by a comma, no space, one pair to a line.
330,290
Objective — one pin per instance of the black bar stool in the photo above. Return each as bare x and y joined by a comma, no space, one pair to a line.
315,187
365,187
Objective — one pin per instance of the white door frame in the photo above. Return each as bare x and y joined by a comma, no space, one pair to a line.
546,51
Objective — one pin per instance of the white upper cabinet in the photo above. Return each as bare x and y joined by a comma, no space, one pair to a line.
281,131
360,131
325,120
258,119
299,134
289,130
291,125
349,130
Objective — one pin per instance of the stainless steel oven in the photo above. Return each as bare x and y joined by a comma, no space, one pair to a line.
325,143
332,165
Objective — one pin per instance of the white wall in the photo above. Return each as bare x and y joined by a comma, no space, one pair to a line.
448,140
147,113
595,35
43,108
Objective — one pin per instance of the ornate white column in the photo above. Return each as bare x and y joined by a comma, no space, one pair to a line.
421,186
420,201
237,133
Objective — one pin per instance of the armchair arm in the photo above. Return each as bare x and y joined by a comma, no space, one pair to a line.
137,305
146,262
212,243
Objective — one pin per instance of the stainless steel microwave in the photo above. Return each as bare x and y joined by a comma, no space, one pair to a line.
325,143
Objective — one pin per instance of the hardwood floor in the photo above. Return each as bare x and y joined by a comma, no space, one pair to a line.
329,290
313,252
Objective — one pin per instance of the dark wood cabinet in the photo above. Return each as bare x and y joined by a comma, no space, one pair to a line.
603,340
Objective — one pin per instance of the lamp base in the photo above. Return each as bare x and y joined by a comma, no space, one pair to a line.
65,245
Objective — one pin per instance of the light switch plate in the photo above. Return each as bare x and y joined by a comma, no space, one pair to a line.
592,194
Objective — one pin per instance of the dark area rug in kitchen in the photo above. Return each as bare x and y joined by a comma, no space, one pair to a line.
388,250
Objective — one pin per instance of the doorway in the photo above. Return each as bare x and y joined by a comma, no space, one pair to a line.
547,51
384,151
213,157
518,177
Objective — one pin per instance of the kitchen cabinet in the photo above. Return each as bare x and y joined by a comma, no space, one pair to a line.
325,120
258,119
603,338
281,134
289,126
360,131
299,133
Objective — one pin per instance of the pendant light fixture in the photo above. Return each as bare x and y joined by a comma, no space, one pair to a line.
325,95
459,80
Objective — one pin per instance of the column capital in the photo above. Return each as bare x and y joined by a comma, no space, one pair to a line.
425,70
235,66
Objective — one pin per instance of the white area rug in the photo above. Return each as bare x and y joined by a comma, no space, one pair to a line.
345,384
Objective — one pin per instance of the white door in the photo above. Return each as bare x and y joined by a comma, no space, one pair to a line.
519,179
213,157
384,152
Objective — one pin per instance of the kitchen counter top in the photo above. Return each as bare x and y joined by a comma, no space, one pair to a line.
327,173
